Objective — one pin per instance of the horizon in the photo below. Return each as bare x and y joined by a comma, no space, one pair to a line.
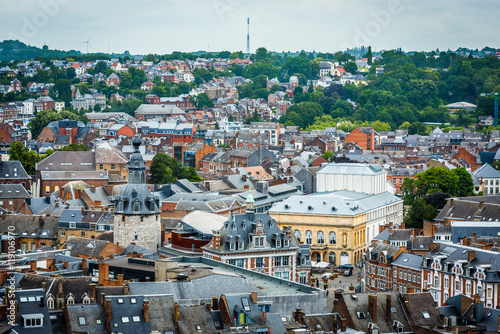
221,25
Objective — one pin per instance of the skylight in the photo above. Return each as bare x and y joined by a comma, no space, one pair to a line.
426,315
81,320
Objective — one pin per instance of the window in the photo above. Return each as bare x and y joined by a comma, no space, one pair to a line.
136,318
241,245
488,293
418,278
125,320
480,290
297,234
32,321
101,167
63,233
395,273
414,278
81,320
278,243
232,246
259,262
457,285
112,166
446,282
286,243
72,224
320,239
50,303
436,280
445,296
400,274
426,315
308,237
467,288
332,238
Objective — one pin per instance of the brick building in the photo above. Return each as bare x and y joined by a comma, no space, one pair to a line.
254,241
363,136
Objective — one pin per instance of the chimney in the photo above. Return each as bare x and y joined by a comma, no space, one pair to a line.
452,202
103,272
388,304
33,265
215,303
209,307
254,296
471,255
263,316
103,298
145,309
481,205
66,265
372,307
85,267
176,314
44,286
215,239
120,279
343,325
107,312
92,292
298,315
335,322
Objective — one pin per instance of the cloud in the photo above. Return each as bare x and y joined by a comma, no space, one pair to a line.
189,25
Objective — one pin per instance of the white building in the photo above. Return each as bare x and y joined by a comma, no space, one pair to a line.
489,178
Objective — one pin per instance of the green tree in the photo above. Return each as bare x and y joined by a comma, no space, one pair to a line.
369,55
161,169
201,101
437,179
190,174
76,147
25,156
418,212
328,156
62,90
351,67
302,114
100,67
465,185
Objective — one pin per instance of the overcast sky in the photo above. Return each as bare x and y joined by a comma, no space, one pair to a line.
163,26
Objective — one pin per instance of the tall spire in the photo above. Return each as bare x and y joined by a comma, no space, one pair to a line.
136,165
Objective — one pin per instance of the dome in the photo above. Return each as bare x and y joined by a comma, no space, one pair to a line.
250,197
136,142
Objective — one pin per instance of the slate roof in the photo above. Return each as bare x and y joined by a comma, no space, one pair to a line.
13,191
13,170
27,225
196,288
408,260
195,319
32,306
486,171
341,203
400,234
124,306
84,246
418,303
468,208
360,304
78,286
421,243
93,315
68,161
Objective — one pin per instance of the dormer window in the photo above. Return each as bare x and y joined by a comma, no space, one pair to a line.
241,245
231,246
286,243
278,243
467,272
136,206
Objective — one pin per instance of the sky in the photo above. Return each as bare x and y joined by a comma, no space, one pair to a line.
164,26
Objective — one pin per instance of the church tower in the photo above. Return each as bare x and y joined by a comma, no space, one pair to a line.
137,212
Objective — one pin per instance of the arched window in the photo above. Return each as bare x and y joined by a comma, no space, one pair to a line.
47,189
309,237
137,206
297,234
320,239
332,238
152,205
120,205
56,188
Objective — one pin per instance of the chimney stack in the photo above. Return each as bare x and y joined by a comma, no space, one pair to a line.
471,255
372,307
145,309
335,320
388,305
254,296
107,312
33,265
215,303
84,267
215,239
92,292
343,325
176,314
299,315
103,272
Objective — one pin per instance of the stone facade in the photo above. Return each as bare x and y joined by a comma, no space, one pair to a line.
144,231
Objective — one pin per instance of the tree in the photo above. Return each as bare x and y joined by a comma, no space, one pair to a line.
161,169
100,67
351,67
190,174
418,212
328,156
436,179
302,114
201,101
25,156
62,90
465,185
76,147
369,55
438,200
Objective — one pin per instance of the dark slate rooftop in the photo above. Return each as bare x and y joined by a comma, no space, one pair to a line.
12,170
408,260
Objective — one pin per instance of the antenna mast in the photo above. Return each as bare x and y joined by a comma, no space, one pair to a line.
248,35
